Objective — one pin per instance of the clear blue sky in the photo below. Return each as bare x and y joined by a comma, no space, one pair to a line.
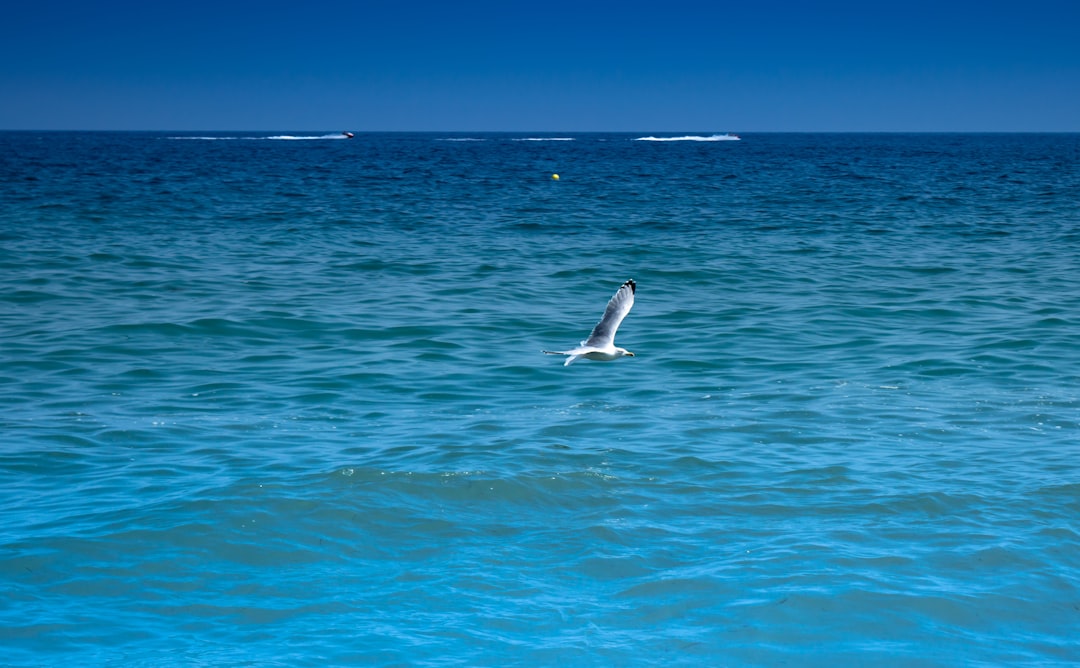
665,65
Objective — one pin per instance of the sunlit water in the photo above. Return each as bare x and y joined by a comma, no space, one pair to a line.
272,402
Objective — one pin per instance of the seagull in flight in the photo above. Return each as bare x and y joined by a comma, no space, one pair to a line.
601,343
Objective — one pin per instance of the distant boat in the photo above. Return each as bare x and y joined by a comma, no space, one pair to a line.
347,134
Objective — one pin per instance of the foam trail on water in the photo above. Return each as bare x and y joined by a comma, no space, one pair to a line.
303,138
723,137
273,137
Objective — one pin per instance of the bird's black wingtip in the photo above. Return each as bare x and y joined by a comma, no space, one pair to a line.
632,284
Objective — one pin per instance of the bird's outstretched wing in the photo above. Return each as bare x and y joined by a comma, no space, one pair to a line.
604,333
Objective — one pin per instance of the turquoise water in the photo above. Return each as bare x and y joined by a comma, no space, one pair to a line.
282,402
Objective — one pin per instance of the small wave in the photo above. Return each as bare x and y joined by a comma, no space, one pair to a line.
543,139
723,137
461,139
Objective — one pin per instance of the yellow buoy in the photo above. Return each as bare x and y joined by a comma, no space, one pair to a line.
554,177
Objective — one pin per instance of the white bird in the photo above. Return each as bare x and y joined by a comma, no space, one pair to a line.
601,343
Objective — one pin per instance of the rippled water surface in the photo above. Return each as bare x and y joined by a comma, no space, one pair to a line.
268,402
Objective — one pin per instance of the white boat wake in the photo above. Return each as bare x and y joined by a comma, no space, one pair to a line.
723,137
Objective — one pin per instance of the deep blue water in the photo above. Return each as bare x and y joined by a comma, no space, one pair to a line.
281,402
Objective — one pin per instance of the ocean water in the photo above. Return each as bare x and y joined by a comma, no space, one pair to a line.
278,399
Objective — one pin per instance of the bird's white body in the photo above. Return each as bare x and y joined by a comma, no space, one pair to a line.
600,345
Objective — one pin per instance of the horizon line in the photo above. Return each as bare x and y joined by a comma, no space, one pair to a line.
549,132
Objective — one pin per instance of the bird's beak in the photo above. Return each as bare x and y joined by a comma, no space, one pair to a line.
629,354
